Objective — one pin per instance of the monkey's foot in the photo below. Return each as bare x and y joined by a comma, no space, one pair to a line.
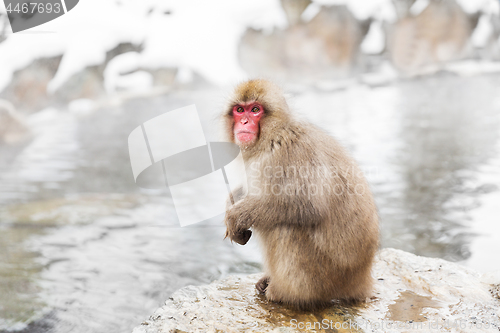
242,237
262,284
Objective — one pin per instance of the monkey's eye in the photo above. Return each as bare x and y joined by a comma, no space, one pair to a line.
255,109
239,110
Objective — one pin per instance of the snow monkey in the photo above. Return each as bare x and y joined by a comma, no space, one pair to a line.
306,200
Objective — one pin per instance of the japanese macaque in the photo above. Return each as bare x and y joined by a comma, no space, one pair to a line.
306,200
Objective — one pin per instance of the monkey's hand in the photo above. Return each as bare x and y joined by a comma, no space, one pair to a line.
241,237
234,231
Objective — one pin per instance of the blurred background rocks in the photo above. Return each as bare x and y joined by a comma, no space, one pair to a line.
421,37
13,128
319,42
327,46
428,36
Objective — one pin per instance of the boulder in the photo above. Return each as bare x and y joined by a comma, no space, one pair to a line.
326,47
294,9
4,22
424,41
89,82
27,89
13,127
411,294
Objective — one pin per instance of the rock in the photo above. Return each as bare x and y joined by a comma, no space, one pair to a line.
162,77
13,127
486,37
293,10
89,82
4,23
341,34
28,88
259,52
402,7
423,41
411,293
325,47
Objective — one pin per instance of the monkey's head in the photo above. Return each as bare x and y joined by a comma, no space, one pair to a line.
255,110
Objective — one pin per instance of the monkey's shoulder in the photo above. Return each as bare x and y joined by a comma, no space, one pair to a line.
304,136
315,149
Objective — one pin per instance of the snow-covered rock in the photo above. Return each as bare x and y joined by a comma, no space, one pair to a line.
13,127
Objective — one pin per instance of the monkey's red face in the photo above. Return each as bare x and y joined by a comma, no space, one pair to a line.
246,122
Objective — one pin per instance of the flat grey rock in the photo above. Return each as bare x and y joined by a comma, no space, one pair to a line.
411,294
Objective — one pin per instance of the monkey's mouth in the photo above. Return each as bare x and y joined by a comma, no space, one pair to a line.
246,136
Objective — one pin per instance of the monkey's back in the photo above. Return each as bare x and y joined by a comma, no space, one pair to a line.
326,249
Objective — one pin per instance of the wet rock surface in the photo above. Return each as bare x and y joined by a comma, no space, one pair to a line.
411,293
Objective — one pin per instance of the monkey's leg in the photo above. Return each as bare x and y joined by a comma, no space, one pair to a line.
262,284
272,294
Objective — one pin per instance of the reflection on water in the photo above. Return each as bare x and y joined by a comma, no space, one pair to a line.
83,249
18,277
430,149
449,130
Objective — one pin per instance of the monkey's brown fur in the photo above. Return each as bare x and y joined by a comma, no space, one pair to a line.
317,247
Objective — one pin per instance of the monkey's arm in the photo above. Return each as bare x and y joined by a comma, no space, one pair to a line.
270,211
243,235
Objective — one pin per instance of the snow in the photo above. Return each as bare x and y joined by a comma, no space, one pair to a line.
472,67
193,35
20,50
311,11
374,42
419,6
82,107
115,76
486,6
364,9
385,75
201,36
210,34
483,32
